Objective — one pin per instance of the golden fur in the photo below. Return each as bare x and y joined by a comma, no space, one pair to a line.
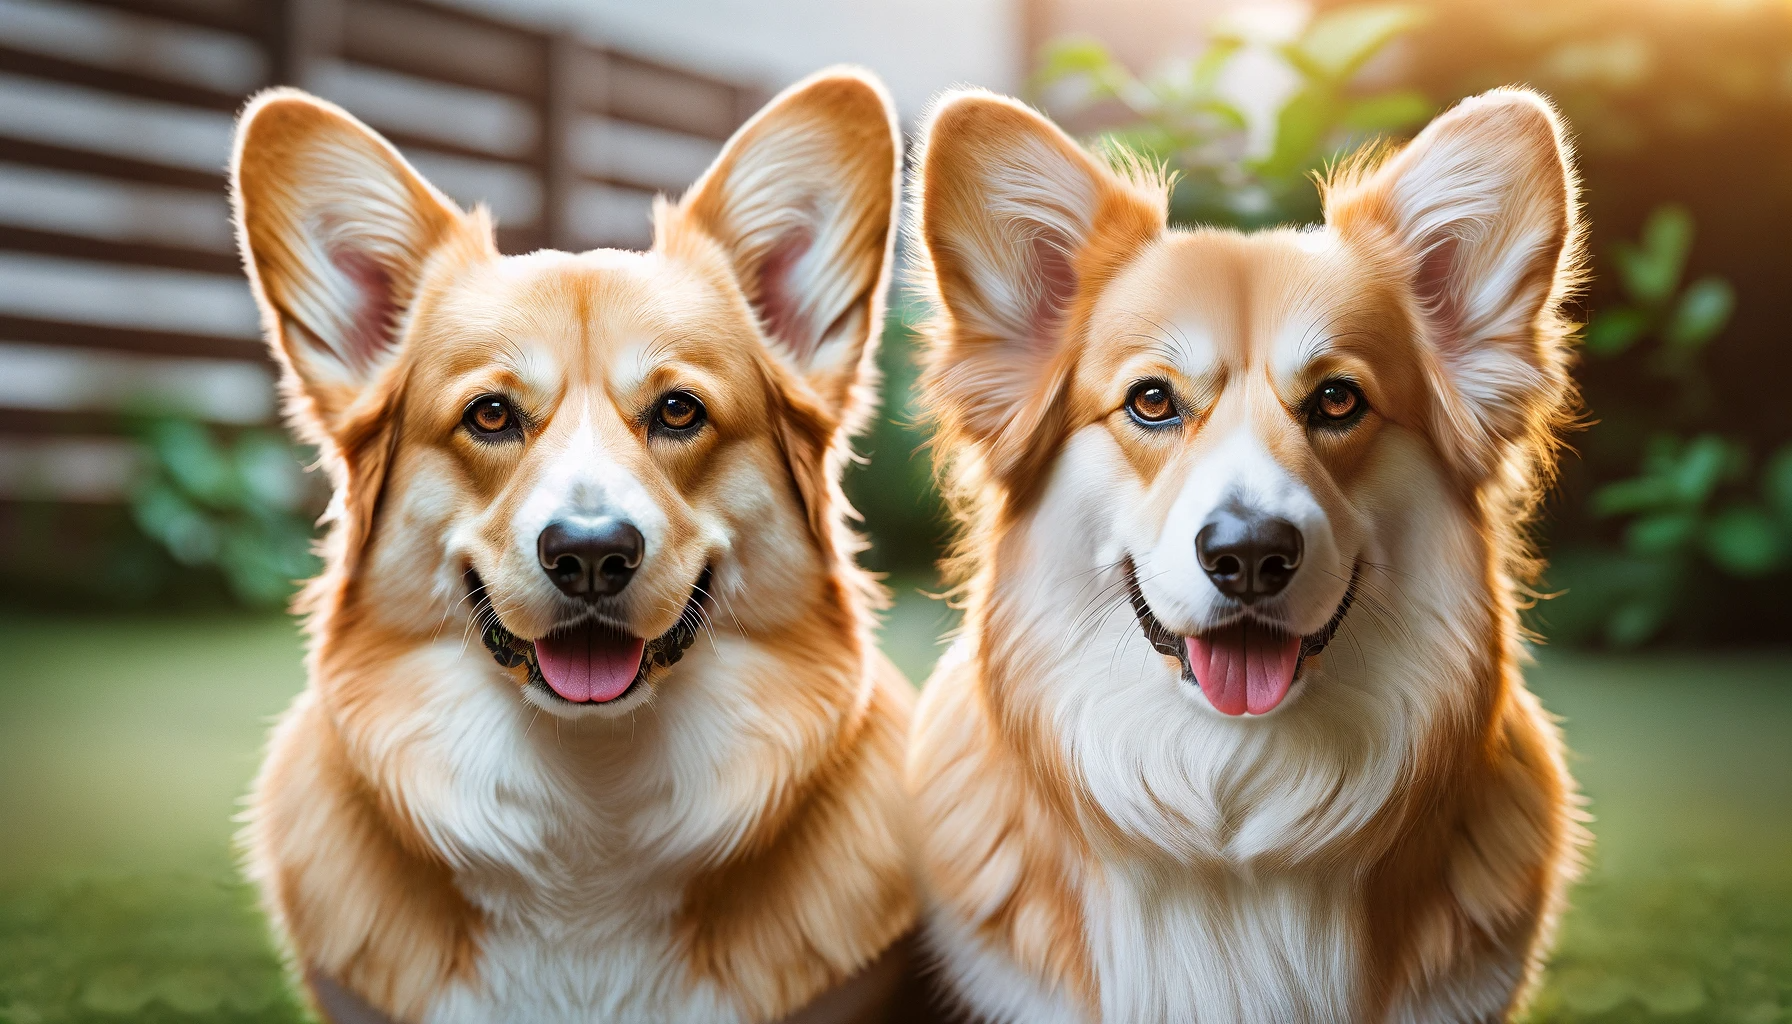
731,844
1054,835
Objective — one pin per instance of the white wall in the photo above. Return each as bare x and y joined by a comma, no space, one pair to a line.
918,46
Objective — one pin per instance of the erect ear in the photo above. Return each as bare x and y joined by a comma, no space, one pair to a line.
1481,215
802,201
336,229
1021,228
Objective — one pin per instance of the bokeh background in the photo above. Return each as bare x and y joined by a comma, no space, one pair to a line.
153,517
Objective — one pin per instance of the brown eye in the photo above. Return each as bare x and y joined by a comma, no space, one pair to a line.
1337,402
489,415
1151,404
679,411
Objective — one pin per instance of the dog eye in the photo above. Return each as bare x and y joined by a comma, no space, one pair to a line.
1151,404
1336,402
679,411
489,416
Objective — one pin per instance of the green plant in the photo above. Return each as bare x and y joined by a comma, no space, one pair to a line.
1697,501
1189,116
238,504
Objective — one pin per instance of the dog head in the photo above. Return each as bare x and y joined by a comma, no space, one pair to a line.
582,449
1255,422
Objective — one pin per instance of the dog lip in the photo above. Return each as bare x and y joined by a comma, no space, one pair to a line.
1169,644
597,619
512,651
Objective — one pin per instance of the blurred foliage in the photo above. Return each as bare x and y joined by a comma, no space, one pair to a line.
1671,526
891,483
1699,504
1188,116
239,505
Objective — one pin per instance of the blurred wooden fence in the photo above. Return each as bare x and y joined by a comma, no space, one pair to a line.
119,280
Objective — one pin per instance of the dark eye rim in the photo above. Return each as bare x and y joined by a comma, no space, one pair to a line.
657,420
1316,414
1141,386
512,429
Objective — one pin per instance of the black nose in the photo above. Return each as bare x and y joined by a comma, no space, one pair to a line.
1247,555
590,558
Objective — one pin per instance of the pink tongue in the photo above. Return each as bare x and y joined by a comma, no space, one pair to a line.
1244,667
589,663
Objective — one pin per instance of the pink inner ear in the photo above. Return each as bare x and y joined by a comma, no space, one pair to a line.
1051,264
372,322
1432,284
778,304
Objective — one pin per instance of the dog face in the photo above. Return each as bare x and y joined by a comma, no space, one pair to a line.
1260,425
584,450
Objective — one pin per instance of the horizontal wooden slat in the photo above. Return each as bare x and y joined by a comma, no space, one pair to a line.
23,423
86,161
244,16
429,42
662,97
408,140
128,339
16,423
146,254
129,83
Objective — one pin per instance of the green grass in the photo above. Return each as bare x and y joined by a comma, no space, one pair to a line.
126,744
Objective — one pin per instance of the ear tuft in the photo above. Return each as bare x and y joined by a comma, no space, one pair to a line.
336,229
1480,213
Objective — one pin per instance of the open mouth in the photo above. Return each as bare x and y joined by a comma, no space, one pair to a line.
1245,666
590,661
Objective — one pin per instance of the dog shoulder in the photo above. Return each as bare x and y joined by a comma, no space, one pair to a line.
1507,865
997,859
814,900
362,901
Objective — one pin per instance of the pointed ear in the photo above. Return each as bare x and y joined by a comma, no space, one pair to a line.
802,202
1480,213
336,229
1020,228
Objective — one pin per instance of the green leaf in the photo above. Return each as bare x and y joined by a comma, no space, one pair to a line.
1744,541
1204,71
1072,56
1639,494
1706,461
1614,330
1704,309
1340,41
1651,271
1661,533
1300,128
186,452
1387,112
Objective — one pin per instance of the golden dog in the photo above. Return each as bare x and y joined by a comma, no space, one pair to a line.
595,728
1236,729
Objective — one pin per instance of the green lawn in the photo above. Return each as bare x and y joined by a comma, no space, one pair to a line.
125,744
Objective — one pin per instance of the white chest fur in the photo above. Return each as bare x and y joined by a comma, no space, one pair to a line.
537,965
1222,946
